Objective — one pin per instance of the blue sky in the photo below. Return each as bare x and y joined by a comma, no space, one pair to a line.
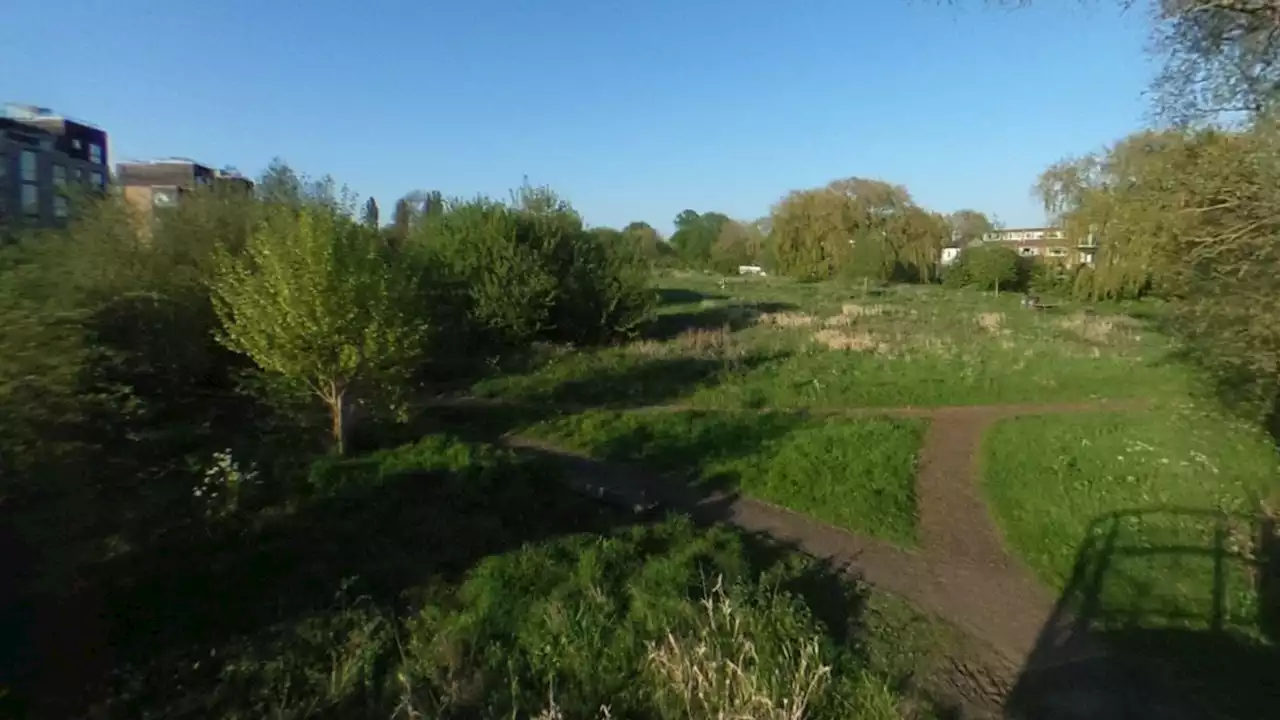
633,110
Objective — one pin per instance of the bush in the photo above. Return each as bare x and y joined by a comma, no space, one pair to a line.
530,272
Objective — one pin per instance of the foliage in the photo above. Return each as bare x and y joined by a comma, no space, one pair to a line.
530,270
737,244
968,226
991,267
695,235
857,228
649,244
370,216
312,300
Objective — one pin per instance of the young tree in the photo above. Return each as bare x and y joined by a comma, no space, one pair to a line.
371,213
311,300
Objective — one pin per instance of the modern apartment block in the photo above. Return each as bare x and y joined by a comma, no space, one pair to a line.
162,183
1046,242
42,154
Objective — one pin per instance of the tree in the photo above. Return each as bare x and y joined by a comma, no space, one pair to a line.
738,244
968,226
856,227
695,234
991,267
312,301
371,213
401,222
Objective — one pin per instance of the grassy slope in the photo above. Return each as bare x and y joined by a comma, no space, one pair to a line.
455,579
857,474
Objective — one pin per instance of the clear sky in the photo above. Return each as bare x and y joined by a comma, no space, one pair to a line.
633,109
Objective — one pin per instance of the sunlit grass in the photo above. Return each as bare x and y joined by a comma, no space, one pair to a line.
855,474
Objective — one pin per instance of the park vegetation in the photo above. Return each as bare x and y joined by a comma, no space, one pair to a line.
212,427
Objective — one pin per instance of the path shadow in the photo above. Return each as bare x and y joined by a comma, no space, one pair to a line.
1117,646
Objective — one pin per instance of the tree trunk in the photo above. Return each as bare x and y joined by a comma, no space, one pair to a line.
338,416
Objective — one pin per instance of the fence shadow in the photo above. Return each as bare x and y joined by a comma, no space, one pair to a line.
1207,646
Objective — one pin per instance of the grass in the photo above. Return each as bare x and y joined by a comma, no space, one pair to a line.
450,579
765,342
855,474
1150,525
1054,481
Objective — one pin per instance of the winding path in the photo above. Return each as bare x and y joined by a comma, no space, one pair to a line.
961,572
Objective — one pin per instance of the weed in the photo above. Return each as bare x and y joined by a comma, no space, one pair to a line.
715,671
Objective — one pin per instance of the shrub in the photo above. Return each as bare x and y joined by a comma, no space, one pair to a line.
533,272
987,267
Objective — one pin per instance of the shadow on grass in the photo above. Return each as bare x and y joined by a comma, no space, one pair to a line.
630,386
149,619
684,296
732,317
1217,662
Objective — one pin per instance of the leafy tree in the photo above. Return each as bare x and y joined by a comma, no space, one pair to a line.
856,227
647,241
371,213
990,267
695,235
968,226
312,301
738,244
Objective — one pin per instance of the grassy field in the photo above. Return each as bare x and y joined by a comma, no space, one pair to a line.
1147,522
856,474
762,342
1151,526
1187,482
451,579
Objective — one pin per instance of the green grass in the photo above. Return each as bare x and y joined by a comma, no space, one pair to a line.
451,579
1149,525
1158,481
855,474
776,343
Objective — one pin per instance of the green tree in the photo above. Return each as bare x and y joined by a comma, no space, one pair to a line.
991,267
371,213
695,234
311,300
968,226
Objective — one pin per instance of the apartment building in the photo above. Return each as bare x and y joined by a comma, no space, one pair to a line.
152,184
1046,242
42,156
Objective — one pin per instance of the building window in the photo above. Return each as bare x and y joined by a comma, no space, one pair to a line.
1026,251
60,175
1057,252
30,199
60,206
95,153
79,175
30,166
76,144
96,179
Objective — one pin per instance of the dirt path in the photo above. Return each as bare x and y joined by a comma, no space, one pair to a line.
962,571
